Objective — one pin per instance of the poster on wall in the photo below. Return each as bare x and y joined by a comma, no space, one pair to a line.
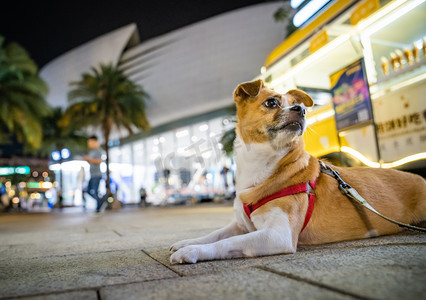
351,96
400,117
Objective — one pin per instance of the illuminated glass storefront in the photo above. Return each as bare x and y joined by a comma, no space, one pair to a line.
182,165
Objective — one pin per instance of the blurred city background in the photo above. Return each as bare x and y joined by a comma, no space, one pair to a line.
154,82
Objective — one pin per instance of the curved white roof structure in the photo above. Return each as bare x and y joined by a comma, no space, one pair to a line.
196,69
189,71
68,67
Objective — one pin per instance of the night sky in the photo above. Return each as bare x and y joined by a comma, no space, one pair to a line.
48,29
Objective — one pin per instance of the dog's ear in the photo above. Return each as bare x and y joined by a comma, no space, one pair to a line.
248,89
300,97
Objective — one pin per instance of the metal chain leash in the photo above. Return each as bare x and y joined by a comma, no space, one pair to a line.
352,194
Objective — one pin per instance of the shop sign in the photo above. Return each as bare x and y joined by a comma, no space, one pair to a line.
321,39
22,170
363,10
400,118
7,171
351,96
33,185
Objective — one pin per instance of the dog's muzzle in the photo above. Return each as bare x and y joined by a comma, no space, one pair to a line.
290,118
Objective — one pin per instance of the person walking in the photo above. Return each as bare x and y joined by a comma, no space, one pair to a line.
94,158
142,193
4,198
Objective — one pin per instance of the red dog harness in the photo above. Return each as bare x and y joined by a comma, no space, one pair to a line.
291,190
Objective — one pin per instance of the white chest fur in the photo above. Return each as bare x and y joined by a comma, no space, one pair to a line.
255,163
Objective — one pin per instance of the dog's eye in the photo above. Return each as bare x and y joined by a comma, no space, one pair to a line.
271,103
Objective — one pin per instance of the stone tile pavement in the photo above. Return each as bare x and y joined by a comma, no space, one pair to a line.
124,255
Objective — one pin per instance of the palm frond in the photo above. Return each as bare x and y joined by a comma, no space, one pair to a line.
55,138
105,98
227,141
106,93
22,94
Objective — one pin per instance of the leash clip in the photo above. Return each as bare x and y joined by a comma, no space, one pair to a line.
343,186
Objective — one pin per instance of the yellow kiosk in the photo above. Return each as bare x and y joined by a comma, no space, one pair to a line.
363,62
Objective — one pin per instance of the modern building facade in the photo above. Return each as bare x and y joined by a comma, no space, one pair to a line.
190,75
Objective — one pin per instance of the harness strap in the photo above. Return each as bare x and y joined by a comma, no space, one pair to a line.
352,194
311,203
291,190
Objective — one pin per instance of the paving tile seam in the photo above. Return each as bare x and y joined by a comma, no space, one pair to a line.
117,233
100,289
314,283
83,253
96,289
160,262
67,291
99,294
210,272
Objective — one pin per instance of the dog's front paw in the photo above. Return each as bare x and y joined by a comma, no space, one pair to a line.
189,254
179,245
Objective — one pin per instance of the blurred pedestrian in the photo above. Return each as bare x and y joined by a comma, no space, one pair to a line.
94,158
224,173
60,199
4,198
142,193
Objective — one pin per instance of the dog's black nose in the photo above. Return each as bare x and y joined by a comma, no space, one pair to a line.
299,109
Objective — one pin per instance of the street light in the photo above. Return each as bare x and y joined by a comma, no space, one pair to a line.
65,153
56,155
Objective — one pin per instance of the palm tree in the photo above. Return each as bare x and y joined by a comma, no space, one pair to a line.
106,98
22,96
55,138
283,14
227,140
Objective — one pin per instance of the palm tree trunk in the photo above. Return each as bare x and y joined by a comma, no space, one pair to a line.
108,182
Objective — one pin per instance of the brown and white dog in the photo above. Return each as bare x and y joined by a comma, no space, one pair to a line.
270,156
